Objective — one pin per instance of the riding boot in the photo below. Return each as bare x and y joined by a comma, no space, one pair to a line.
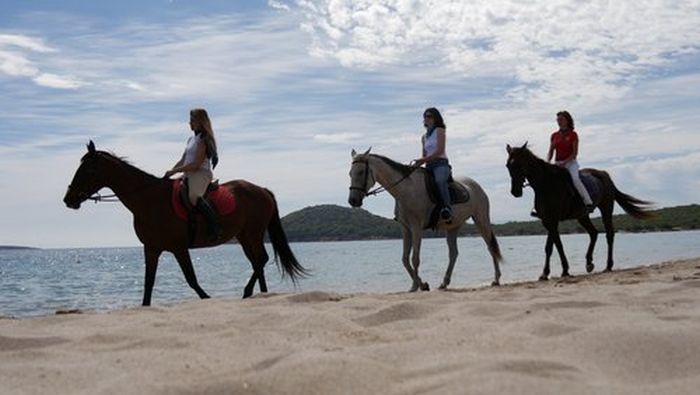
210,217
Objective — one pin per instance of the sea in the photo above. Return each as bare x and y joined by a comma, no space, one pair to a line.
42,281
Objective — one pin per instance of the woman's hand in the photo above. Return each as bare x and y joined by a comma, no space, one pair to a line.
417,162
169,173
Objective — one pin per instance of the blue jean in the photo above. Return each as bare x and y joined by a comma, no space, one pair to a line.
441,171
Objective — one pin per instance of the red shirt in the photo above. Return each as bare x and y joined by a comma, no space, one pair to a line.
563,143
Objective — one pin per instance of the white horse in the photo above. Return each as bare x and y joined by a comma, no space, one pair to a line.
413,208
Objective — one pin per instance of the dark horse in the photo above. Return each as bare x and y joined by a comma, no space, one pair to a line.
157,227
557,200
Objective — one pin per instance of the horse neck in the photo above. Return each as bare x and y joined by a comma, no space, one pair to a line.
389,178
536,172
131,185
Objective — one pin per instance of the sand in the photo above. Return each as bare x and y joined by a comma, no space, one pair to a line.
631,331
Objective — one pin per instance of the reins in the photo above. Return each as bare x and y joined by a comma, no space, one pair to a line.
113,198
103,198
379,189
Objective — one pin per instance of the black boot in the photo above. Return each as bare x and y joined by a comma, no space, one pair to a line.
210,217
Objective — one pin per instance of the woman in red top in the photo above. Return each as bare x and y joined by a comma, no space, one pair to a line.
565,142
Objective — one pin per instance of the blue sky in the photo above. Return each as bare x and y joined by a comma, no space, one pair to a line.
293,86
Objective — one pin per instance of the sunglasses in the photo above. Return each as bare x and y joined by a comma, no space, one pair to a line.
427,116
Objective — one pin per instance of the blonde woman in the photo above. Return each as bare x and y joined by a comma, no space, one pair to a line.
197,162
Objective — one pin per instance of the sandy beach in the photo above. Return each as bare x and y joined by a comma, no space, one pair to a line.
630,331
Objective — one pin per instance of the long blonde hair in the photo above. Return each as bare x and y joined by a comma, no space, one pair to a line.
201,122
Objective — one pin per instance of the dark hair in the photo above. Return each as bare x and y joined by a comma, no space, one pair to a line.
436,116
568,117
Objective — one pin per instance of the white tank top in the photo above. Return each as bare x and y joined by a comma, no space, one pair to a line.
430,144
191,152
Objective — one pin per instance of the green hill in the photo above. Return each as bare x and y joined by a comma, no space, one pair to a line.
332,222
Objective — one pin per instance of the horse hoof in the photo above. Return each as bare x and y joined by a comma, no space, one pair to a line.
607,270
495,283
543,278
565,274
425,287
443,286
589,267
413,288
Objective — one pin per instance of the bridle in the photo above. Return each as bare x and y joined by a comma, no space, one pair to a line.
525,182
380,188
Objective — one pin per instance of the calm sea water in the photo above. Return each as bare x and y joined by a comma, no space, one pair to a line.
39,282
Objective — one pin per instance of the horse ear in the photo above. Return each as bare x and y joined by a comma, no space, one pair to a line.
91,147
508,148
524,146
367,152
353,153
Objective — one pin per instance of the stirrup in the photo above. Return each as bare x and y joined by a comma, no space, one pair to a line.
446,215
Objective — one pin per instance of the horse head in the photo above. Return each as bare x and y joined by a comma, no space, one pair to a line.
361,178
86,181
517,165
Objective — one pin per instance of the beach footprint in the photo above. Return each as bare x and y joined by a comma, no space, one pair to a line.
398,312
539,368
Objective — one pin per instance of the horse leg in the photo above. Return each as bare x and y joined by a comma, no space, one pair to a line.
185,262
452,247
609,236
547,255
405,258
562,256
417,236
151,260
254,250
593,235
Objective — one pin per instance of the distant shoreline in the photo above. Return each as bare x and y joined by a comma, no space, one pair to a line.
18,248
437,235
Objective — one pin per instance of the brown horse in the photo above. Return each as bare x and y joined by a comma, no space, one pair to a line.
556,200
159,229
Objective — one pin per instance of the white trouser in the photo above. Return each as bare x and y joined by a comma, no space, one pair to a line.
198,181
572,167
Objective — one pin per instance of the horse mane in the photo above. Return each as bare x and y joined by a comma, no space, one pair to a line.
400,167
122,161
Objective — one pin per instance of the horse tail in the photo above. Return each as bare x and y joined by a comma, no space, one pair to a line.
482,219
633,206
284,257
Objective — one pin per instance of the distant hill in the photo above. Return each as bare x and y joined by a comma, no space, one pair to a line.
331,222
16,248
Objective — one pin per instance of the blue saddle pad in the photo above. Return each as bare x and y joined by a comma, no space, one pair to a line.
592,185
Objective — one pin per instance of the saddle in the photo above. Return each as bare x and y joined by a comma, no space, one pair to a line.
458,194
592,185
221,200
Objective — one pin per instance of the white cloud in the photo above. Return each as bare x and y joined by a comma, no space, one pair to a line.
568,49
24,42
337,137
15,61
55,81
278,5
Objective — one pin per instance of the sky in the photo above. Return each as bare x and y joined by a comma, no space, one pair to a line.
293,86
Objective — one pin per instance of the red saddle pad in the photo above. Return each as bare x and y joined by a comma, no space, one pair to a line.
221,199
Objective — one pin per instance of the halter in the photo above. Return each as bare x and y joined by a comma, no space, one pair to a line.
380,188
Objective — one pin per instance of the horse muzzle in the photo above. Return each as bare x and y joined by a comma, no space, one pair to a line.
354,202
517,192
71,200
